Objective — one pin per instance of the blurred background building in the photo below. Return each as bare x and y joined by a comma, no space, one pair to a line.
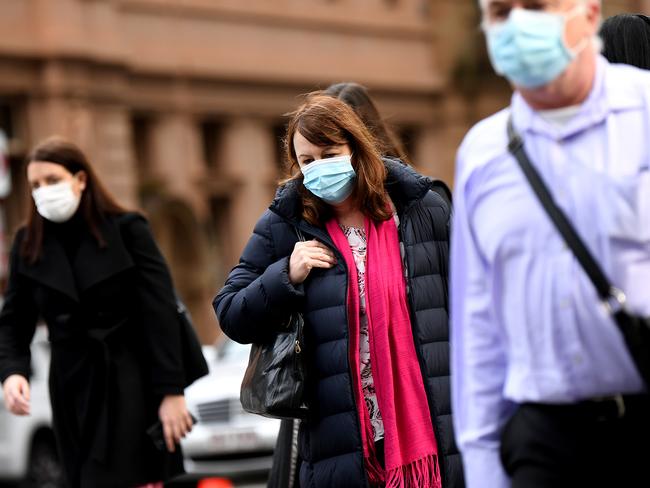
180,103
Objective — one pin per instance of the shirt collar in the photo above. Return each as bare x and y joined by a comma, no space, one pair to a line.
606,96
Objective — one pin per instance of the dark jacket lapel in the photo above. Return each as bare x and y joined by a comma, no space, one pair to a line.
52,269
94,264
91,265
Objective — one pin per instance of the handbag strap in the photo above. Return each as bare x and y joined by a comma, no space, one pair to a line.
612,297
301,236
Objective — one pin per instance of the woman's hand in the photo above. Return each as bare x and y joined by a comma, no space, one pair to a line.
307,255
16,394
175,418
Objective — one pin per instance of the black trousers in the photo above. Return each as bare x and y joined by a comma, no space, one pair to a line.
588,444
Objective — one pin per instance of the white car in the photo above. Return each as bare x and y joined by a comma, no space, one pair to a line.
27,446
226,441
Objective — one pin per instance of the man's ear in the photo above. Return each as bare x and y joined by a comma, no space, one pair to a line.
594,14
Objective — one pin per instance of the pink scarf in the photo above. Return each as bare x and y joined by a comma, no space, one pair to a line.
411,450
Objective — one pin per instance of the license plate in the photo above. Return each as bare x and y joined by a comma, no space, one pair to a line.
235,440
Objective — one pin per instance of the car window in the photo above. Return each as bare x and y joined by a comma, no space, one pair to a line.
233,351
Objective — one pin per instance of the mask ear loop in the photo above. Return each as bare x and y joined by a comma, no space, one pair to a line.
582,45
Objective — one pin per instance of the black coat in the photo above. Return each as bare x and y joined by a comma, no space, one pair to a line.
116,346
258,297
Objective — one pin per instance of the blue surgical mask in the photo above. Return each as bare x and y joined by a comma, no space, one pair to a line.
331,179
529,48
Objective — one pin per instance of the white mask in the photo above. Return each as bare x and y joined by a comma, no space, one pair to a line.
56,203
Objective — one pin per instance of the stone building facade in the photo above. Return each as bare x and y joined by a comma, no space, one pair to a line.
180,103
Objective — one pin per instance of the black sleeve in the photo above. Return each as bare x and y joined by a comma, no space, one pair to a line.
258,296
158,310
17,320
441,188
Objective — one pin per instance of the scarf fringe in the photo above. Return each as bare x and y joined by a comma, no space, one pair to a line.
375,473
423,473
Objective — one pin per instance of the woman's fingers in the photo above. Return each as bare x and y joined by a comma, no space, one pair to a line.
174,417
176,429
20,406
320,252
24,389
179,431
17,395
311,245
168,432
318,263
187,420
306,256
322,257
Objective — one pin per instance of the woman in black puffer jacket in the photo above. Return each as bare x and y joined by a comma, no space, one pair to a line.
344,442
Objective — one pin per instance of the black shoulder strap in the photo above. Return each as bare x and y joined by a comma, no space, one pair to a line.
561,222
301,236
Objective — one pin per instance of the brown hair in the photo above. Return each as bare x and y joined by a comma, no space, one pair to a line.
323,121
357,97
96,202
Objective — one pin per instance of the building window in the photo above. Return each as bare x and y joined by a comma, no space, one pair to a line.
141,128
211,130
219,236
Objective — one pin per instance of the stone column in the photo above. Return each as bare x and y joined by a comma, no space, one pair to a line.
52,114
114,160
438,142
66,105
248,159
177,160
432,155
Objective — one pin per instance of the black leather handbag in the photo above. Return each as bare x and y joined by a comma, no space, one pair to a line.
194,364
635,329
274,382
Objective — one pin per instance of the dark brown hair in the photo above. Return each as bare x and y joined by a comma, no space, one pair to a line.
626,39
96,202
324,121
357,97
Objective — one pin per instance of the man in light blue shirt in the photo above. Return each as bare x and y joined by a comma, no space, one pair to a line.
545,393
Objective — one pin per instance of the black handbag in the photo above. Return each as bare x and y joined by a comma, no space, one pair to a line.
194,364
635,329
274,382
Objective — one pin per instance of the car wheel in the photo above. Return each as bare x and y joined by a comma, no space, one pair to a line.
45,470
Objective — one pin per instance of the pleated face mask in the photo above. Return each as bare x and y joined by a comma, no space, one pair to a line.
331,179
529,48
56,203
